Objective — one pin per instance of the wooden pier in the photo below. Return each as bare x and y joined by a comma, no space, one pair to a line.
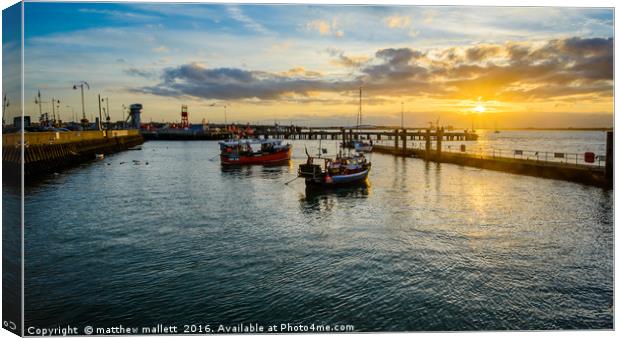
46,152
350,134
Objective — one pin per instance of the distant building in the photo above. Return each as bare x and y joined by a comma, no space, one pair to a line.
17,122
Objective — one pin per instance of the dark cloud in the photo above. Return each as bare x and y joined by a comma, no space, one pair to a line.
508,72
232,83
395,65
140,72
481,53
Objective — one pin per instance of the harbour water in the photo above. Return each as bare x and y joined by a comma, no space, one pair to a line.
424,246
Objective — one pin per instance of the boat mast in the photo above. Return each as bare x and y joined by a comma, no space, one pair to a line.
360,110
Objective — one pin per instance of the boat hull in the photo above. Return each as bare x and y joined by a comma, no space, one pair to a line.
362,147
339,180
271,158
365,149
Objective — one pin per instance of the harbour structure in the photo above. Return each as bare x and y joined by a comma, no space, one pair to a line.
183,130
348,135
46,152
596,175
135,110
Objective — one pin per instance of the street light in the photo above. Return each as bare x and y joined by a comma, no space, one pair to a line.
225,110
72,113
55,106
81,84
402,115
106,111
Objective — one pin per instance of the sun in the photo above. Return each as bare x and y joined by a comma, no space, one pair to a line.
479,109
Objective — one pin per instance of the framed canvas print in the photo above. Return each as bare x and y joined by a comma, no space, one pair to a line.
306,168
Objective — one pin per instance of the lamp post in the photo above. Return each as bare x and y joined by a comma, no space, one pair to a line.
402,115
225,111
107,112
72,113
38,101
81,84
55,106
99,124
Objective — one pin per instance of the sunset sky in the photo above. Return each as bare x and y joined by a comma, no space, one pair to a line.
519,67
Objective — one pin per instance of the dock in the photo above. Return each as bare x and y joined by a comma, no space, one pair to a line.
183,135
600,175
45,152
350,134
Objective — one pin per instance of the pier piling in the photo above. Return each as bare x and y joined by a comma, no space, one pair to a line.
427,143
439,139
396,140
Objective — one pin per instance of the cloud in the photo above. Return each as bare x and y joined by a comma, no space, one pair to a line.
395,64
324,27
301,71
345,61
140,72
413,33
402,22
118,15
160,49
397,21
509,72
482,52
237,14
197,81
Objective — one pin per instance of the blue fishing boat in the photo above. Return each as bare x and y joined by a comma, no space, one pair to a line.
337,172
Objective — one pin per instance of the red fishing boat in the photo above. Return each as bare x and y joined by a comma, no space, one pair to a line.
254,151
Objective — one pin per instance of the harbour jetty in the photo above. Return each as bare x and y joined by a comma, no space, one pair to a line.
538,165
346,134
45,152
184,135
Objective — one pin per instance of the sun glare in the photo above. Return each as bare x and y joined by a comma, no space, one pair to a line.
479,108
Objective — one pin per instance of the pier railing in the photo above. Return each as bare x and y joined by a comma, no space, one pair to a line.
567,158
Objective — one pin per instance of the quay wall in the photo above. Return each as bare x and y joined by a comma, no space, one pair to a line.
584,174
45,152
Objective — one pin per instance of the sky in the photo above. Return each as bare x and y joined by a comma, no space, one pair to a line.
304,64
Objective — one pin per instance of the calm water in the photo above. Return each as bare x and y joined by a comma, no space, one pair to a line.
423,247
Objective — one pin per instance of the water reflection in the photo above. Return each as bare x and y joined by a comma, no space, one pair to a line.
275,171
237,171
318,199
271,171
